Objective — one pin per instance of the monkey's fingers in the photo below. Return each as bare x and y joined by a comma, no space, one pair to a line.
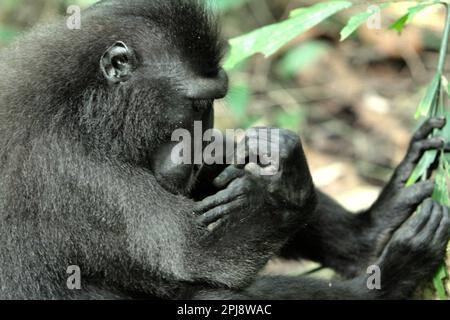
241,153
414,195
413,226
415,152
257,149
219,212
257,171
419,220
420,143
229,174
222,197
428,231
419,147
442,235
427,128
248,151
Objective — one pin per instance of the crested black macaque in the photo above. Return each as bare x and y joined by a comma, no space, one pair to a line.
85,133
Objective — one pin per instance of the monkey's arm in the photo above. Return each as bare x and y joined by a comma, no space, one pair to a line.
346,241
410,257
290,288
334,237
161,235
341,240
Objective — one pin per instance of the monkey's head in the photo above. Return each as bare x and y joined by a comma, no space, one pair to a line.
162,71
132,74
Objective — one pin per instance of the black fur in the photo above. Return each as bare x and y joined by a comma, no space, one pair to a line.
73,151
78,185
76,188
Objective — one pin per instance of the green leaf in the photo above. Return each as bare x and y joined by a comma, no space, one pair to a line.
225,5
302,57
445,84
401,23
446,160
356,21
291,121
444,132
441,191
427,160
438,282
427,101
238,100
296,12
7,34
11,4
269,39
250,122
86,3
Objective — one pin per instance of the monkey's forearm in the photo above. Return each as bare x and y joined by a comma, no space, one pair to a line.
334,237
346,241
163,235
305,288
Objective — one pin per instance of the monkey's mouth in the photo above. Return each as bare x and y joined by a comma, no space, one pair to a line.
202,105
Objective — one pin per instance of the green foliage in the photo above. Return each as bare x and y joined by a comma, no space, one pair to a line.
84,3
302,57
432,105
269,39
428,100
238,100
438,283
7,34
358,20
422,167
291,121
401,23
441,192
225,5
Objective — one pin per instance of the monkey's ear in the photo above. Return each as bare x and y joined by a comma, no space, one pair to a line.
116,63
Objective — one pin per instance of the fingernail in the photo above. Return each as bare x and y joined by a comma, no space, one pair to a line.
218,180
439,140
442,120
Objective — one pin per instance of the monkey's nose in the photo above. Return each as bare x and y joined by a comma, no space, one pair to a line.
208,88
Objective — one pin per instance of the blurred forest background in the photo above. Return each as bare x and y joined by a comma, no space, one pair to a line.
353,102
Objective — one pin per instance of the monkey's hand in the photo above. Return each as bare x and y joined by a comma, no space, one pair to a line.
415,250
243,195
397,203
271,174
275,157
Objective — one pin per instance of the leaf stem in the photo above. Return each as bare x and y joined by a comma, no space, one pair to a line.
442,274
445,42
